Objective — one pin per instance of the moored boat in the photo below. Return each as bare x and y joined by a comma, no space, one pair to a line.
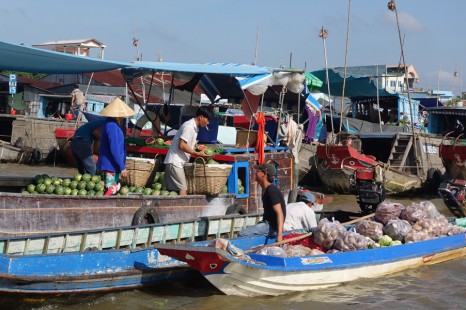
45,213
272,275
106,259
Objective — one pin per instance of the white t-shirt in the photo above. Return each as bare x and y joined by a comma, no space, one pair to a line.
79,97
188,132
299,216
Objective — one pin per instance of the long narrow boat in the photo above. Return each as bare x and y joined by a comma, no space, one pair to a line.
104,260
272,275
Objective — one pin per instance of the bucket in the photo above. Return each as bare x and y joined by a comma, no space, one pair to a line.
68,116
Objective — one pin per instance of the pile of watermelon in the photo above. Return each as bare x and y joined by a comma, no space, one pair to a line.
80,185
155,190
151,141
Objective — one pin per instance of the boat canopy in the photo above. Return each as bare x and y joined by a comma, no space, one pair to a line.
22,58
360,81
226,80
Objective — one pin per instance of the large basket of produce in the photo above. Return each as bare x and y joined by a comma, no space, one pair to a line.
139,170
206,178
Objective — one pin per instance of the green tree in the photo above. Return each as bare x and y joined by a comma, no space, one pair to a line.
25,74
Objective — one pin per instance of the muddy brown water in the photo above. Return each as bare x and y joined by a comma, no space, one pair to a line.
441,286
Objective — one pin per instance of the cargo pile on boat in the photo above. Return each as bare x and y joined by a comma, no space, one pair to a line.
80,185
90,185
393,224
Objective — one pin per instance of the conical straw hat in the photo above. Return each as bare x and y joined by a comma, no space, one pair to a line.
117,108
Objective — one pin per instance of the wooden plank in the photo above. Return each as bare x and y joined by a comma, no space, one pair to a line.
405,155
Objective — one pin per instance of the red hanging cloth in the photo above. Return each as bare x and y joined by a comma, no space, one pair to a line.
260,120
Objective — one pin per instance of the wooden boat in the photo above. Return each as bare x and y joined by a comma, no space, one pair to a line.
43,213
10,153
22,214
272,275
106,259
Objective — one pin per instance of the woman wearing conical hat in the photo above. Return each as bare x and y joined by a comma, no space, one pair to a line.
112,152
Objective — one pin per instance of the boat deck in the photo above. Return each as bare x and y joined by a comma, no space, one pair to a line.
18,175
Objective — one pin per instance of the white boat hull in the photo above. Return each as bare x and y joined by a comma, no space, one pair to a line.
242,280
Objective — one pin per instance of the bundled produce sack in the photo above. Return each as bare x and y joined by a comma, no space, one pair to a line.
350,241
414,212
300,250
397,229
433,227
272,251
418,211
327,232
430,208
387,211
371,229
416,236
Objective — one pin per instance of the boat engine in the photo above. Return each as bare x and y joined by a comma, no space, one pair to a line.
453,193
367,185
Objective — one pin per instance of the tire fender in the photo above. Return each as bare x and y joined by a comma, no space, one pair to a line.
146,215
236,208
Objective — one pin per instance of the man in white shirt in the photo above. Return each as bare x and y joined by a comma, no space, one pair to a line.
182,148
300,215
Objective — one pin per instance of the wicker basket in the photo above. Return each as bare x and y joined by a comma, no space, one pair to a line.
206,179
139,170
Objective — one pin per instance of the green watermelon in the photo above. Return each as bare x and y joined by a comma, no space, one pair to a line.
78,177
66,182
30,188
50,189
87,177
157,186
90,185
99,187
124,190
59,190
40,188
209,152
81,185
38,179
73,184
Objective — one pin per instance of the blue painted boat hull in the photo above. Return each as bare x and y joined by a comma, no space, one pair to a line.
88,272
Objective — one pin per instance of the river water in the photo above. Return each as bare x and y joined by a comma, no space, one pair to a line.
441,286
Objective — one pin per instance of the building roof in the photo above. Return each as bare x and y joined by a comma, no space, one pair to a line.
89,43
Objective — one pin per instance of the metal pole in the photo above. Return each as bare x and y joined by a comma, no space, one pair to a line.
392,7
346,60
323,34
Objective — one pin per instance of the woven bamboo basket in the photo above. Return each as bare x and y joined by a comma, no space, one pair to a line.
139,170
206,179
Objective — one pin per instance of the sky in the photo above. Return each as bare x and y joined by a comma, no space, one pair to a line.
204,31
